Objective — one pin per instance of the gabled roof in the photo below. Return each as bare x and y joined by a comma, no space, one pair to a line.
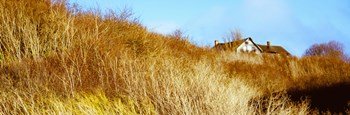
262,48
233,45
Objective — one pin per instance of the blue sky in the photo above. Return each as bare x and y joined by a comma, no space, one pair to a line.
293,24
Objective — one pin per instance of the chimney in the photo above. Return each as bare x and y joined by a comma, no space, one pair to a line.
216,42
268,44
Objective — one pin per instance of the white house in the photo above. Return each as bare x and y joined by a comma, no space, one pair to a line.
249,46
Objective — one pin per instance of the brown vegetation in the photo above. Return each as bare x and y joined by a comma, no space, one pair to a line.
330,49
56,59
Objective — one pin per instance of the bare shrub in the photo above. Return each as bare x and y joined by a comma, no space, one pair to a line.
331,48
234,35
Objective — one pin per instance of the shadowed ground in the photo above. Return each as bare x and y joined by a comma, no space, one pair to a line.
333,98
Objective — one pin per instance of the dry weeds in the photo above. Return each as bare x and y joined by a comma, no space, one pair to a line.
57,59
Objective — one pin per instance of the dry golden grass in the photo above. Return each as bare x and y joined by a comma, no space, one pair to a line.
56,59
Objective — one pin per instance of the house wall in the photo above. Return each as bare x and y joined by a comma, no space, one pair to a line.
248,47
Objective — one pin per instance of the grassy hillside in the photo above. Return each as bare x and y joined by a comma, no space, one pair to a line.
57,59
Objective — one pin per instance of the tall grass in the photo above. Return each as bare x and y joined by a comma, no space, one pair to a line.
57,59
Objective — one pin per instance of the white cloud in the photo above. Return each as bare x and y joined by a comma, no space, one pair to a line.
164,27
266,12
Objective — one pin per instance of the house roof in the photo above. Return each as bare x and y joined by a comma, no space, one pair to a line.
273,49
231,45
234,44
263,48
228,45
